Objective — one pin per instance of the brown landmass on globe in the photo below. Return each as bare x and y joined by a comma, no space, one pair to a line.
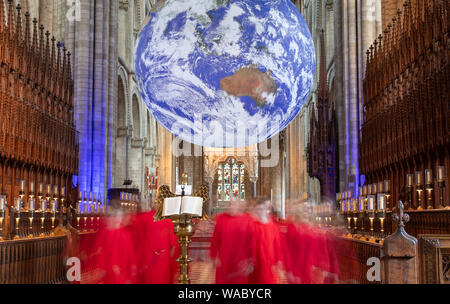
250,81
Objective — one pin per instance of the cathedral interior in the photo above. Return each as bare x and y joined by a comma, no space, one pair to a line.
374,131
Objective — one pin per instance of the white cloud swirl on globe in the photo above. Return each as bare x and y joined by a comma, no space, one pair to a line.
189,46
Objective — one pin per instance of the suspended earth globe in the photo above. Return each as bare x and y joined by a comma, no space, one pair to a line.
225,73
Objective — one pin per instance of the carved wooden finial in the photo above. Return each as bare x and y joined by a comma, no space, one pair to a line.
2,16
11,19
53,56
400,218
69,67
35,35
41,40
27,29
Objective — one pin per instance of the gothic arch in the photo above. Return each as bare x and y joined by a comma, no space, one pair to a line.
122,76
121,103
136,117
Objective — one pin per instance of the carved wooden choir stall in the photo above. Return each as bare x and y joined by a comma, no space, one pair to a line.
404,153
38,149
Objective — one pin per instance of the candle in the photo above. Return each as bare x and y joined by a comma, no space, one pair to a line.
18,204
349,205
387,186
63,191
440,173
371,203
369,189
365,190
79,196
360,190
44,206
419,180
49,190
428,177
56,191
380,187
41,188
374,189
409,180
54,206
32,205
31,187
361,204
2,203
354,205
22,186
381,202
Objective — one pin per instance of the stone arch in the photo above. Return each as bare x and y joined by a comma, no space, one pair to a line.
121,117
136,117
123,76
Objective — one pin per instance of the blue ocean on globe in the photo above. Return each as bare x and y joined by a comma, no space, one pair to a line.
225,73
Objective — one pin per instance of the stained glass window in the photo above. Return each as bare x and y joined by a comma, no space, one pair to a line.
231,181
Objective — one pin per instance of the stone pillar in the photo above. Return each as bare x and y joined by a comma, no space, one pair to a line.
400,253
92,40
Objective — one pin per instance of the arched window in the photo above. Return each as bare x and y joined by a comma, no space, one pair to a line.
121,107
231,181
136,118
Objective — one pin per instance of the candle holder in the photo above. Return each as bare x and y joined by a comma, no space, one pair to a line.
371,214
441,185
53,216
348,213
419,190
381,211
362,212
387,191
410,188
78,215
31,210
22,190
2,215
85,217
43,210
355,217
17,211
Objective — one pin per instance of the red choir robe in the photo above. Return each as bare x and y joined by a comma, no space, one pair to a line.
233,248
114,257
156,248
313,258
268,254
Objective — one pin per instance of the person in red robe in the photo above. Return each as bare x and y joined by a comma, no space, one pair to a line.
269,253
156,248
233,247
113,257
